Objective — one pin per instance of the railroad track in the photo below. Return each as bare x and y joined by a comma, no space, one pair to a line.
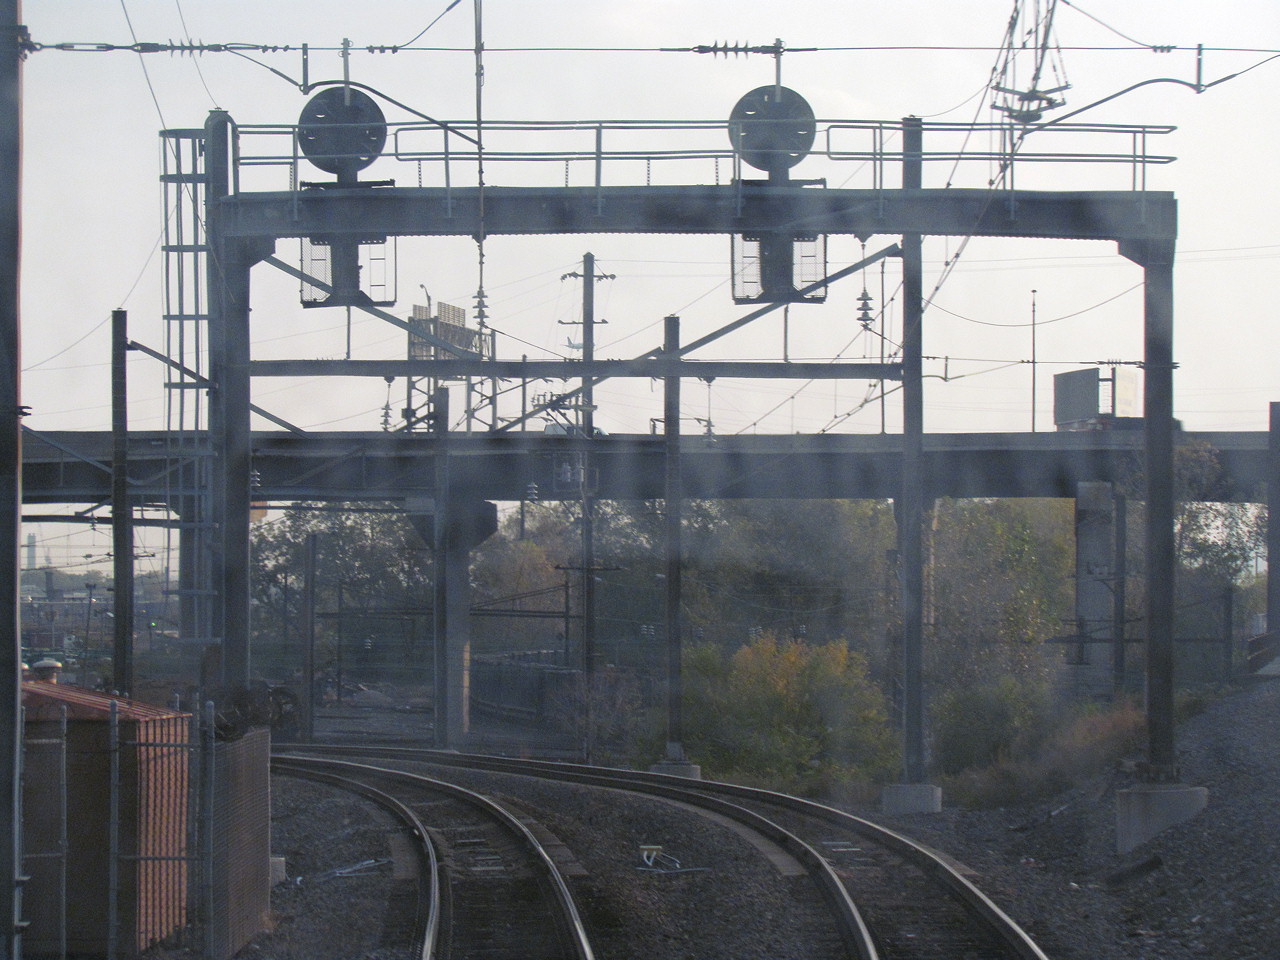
911,902
489,888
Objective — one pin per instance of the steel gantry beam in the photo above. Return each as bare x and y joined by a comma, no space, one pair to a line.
455,212
377,465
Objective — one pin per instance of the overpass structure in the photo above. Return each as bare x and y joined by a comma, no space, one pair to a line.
75,466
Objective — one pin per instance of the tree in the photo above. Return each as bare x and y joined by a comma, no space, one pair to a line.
1212,533
1000,585
1217,540
369,559
816,569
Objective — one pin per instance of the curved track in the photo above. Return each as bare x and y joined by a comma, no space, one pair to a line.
917,904
421,906
496,893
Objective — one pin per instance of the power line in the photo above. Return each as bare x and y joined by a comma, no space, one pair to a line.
1038,323
192,48
194,62
1107,26
439,17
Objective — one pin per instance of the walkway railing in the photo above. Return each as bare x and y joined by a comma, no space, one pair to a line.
597,153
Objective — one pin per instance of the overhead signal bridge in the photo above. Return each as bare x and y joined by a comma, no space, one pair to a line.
650,177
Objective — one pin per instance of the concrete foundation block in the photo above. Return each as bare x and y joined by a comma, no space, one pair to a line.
278,872
1144,811
911,798
678,768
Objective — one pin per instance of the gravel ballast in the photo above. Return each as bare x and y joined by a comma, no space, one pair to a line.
1204,890
1207,889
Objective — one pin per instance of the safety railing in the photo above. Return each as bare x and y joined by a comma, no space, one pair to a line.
601,153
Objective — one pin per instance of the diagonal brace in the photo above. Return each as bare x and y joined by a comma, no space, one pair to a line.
205,381
893,250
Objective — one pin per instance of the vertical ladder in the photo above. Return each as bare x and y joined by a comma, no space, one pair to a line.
185,250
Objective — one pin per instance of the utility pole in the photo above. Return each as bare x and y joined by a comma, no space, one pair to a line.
586,492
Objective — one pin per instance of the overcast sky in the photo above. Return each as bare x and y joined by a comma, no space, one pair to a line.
93,210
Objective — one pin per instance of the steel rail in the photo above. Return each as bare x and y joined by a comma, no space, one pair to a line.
970,898
576,931
853,930
427,928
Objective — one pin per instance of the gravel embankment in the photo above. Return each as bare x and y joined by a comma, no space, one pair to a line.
1205,890
1208,889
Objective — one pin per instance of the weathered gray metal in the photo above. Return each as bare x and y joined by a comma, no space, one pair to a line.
377,465
11,37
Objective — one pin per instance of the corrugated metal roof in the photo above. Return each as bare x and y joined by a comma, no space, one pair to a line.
42,701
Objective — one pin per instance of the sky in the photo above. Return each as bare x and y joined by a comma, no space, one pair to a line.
93,210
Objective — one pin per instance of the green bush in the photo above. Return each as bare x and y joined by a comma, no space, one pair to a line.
981,725
788,715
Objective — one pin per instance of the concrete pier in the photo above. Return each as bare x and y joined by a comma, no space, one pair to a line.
1149,809
678,768
911,798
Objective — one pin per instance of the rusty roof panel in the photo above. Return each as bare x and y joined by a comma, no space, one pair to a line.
42,700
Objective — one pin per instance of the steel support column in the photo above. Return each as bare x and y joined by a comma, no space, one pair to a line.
456,525
229,409
190,545
457,638
1119,595
308,639
121,509
911,514
1161,559
587,491
1156,259
1273,520
674,515
10,476
439,419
